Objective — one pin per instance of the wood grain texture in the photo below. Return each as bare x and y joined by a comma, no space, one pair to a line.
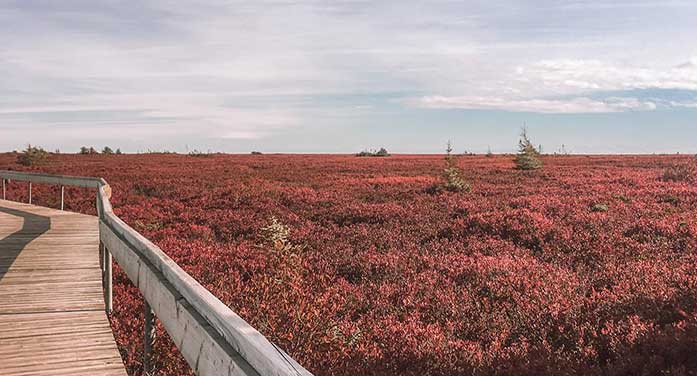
52,319
212,338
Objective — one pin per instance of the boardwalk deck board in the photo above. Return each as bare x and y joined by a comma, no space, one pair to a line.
52,319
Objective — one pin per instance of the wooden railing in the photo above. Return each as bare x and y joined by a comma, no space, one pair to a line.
213,339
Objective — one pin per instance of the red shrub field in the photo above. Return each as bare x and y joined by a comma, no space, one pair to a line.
585,267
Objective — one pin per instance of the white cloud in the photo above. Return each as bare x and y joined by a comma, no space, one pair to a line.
563,86
209,69
571,75
692,104
549,106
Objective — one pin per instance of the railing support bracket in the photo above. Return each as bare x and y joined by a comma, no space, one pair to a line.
148,337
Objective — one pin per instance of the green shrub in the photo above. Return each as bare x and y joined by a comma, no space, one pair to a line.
600,208
527,157
278,235
451,174
669,199
107,150
372,153
683,172
32,155
88,150
154,151
434,189
198,153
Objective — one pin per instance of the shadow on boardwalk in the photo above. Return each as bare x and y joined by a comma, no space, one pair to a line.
12,245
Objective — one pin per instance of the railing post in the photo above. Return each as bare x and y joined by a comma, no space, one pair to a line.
62,197
101,260
148,337
4,197
29,193
108,293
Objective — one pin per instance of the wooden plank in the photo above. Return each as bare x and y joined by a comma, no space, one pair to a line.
213,339
52,319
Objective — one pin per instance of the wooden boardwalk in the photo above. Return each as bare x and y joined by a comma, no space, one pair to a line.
52,319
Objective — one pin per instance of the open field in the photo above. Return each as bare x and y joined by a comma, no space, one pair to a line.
588,266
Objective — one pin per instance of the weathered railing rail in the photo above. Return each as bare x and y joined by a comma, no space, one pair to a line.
213,339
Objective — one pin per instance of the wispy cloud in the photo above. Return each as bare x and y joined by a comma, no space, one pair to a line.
571,75
208,69
547,106
562,86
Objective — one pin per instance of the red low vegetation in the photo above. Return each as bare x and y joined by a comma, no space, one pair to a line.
588,266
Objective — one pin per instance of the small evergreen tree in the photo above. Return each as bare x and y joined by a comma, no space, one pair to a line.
107,150
118,152
453,181
527,157
32,155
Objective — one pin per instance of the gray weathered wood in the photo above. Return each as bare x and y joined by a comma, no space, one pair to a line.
52,319
206,351
148,336
108,280
247,341
212,338
77,181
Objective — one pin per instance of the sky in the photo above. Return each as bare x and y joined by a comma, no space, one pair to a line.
342,76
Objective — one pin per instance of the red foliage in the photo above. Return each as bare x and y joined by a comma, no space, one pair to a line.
520,276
